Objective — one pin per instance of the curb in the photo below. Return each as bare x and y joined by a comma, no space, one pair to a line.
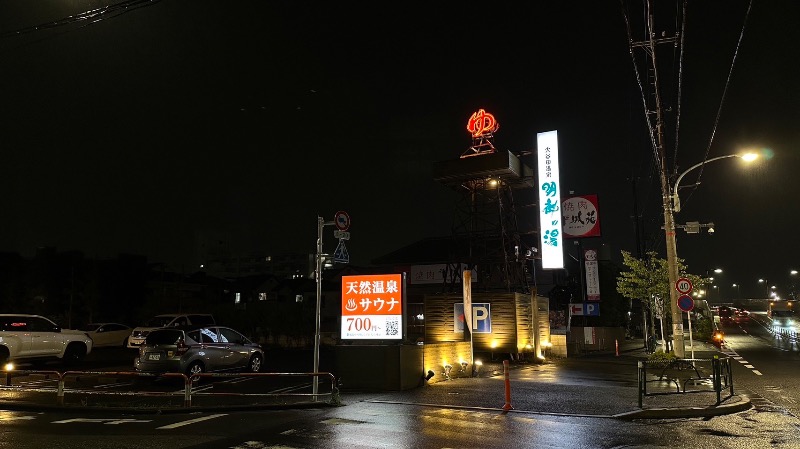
687,412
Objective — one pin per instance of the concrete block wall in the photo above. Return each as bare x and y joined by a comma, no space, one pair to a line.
559,348
437,355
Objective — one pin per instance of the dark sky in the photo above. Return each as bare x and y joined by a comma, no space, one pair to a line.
155,123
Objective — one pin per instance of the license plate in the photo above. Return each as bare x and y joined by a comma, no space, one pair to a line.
153,356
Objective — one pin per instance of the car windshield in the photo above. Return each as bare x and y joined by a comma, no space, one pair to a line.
159,321
164,337
783,313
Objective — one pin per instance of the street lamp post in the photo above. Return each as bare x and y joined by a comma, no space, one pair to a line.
738,293
671,203
676,201
766,283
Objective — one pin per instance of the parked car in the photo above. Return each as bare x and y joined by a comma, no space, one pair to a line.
108,334
32,338
167,320
197,349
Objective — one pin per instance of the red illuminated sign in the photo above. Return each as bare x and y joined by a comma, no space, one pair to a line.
482,123
372,294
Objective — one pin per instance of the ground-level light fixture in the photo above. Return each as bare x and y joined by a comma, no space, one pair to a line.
429,375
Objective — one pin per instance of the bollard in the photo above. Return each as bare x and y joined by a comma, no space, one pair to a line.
60,390
507,405
187,391
616,347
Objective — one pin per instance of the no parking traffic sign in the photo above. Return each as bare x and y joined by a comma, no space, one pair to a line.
342,220
686,303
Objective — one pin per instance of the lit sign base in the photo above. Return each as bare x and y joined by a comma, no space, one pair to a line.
372,327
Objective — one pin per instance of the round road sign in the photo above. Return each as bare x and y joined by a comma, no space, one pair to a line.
683,286
686,303
342,220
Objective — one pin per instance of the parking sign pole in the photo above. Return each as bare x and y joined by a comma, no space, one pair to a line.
318,276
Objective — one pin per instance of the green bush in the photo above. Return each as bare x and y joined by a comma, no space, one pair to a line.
660,359
703,329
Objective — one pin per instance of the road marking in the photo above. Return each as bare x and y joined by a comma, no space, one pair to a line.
191,421
757,372
100,420
11,418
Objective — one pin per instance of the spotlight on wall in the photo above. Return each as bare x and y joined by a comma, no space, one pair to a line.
430,374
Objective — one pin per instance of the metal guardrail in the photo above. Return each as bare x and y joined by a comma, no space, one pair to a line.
188,392
686,371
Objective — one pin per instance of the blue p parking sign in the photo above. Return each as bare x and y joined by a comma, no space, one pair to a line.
481,318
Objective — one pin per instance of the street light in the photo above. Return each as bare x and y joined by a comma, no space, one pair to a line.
671,203
676,201
765,282
738,294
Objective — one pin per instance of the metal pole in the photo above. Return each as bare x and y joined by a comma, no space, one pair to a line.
317,317
691,342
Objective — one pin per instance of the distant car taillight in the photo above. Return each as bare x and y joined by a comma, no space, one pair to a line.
182,348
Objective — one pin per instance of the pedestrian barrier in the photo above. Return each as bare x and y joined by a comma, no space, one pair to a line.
683,372
55,382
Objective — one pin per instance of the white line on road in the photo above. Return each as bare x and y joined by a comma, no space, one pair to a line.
191,421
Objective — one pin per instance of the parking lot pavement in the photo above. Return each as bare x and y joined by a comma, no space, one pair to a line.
603,384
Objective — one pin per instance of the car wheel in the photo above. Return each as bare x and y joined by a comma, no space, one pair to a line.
255,364
193,369
74,353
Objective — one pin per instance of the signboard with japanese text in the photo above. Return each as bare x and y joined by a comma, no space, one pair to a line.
549,201
592,275
372,307
438,273
481,318
580,216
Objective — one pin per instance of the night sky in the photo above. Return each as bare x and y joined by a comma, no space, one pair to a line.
152,124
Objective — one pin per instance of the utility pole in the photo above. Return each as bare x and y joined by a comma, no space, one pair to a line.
653,109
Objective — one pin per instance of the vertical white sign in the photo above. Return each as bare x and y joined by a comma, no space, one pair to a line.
592,275
549,201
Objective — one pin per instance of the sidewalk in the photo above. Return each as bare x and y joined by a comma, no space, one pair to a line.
595,384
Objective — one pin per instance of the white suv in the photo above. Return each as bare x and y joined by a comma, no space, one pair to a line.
168,320
33,337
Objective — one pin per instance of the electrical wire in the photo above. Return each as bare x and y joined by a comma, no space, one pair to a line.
86,18
721,103
650,127
680,86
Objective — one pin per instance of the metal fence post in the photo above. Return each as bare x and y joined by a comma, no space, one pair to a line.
187,391
60,391
642,382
